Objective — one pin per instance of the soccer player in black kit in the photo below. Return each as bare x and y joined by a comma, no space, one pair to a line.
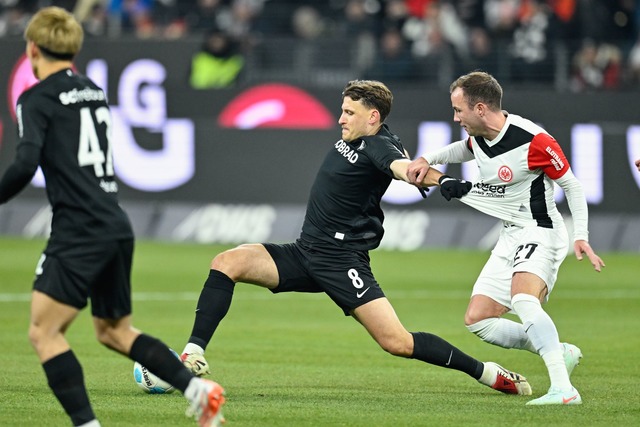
63,127
342,223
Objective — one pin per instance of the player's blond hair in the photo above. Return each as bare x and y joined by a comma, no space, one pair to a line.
372,94
56,32
479,86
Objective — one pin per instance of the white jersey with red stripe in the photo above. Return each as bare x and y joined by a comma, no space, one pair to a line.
517,171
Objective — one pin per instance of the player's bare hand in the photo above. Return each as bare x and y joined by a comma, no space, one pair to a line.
638,164
417,170
583,247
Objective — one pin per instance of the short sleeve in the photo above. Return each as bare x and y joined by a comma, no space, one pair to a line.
545,153
382,151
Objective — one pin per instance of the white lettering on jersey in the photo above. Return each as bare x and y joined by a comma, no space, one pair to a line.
109,187
346,151
75,96
39,269
555,161
19,118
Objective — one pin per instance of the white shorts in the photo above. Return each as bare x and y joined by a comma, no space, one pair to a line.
522,249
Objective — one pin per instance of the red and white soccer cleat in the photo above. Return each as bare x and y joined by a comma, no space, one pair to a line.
509,382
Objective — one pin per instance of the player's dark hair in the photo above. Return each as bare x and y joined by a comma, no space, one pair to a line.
372,94
479,86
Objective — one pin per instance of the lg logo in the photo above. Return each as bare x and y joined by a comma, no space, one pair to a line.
142,105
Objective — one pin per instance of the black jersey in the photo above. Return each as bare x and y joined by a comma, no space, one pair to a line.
344,205
65,121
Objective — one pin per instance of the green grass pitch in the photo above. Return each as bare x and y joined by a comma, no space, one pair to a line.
295,360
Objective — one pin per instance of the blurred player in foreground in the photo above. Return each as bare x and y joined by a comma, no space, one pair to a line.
63,127
518,163
342,223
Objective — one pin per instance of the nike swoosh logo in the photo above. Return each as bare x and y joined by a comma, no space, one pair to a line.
449,361
565,401
359,294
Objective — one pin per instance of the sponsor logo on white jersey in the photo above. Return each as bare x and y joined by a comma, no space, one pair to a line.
489,190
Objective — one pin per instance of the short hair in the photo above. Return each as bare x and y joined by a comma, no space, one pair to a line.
372,94
479,86
56,32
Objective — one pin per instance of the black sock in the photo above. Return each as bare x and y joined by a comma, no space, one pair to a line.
213,305
433,349
154,355
66,380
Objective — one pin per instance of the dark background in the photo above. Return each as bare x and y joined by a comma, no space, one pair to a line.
278,165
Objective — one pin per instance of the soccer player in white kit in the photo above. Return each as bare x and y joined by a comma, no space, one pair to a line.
518,163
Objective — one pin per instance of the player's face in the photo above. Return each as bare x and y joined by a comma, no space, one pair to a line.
356,120
465,114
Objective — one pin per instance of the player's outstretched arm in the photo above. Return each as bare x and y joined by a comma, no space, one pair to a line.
583,247
428,179
417,170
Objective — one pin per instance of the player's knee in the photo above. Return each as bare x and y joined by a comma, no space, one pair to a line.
42,336
219,261
36,335
396,346
232,262
473,316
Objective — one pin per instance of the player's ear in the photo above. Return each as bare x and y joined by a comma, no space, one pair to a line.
481,109
374,117
32,50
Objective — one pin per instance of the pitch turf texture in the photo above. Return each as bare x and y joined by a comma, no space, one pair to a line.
295,360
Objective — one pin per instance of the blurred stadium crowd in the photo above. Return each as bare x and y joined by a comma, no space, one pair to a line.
578,45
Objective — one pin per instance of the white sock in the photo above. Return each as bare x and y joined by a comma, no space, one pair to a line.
193,389
544,336
191,348
557,370
489,375
92,423
502,332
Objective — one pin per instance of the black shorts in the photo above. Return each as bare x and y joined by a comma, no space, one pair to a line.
101,271
344,275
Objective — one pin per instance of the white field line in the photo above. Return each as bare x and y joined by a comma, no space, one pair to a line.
610,294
